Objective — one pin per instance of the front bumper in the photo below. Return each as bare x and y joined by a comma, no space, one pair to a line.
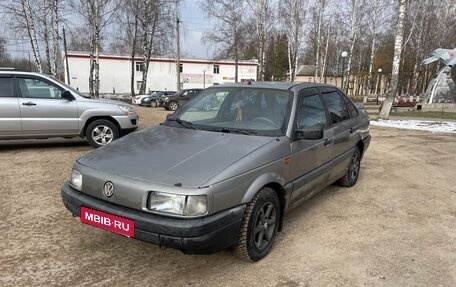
204,235
127,123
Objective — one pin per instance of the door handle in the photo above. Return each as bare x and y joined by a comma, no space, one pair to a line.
29,104
327,141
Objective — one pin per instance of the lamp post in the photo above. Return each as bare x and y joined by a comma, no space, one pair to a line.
344,55
378,82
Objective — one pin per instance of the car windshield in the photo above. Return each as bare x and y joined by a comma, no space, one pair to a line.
246,110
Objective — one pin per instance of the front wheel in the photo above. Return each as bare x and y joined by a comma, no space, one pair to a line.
259,225
351,176
101,132
207,107
173,106
153,104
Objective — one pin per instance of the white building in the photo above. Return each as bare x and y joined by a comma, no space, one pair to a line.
115,73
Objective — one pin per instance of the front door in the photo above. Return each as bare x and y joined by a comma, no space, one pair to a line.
43,110
10,115
311,159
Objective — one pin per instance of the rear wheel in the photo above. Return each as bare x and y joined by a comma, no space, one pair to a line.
351,177
101,132
259,225
173,106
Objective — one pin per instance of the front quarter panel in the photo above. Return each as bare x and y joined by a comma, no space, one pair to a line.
243,179
89,109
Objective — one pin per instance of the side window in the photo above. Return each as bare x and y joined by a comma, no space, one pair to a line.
351,107
34,88
6,89
311,112
337,108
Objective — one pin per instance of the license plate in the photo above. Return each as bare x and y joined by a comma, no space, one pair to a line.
108,221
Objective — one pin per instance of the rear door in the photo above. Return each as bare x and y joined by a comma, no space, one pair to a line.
342,126
44,112
10,115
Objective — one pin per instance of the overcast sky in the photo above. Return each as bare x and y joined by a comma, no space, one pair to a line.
194,23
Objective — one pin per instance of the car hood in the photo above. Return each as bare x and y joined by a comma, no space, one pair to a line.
106,101
168,155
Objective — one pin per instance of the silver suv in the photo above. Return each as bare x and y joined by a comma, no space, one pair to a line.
37,106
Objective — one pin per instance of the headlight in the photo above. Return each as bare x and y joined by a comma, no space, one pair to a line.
76,179
127,110
187,205
165,99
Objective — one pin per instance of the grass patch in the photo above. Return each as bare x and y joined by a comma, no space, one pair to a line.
417,114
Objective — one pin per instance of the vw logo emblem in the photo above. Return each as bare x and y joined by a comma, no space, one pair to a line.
108,189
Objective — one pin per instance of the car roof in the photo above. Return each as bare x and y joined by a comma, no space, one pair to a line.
274,85
16,72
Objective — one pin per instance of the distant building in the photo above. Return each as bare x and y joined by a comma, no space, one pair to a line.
115,72
306,73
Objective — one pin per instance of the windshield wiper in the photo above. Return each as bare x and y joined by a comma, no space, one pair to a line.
237,131
185,124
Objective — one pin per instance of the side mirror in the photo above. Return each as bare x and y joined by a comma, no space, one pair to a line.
309,134
68,95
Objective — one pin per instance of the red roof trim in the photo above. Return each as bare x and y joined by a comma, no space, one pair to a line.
121,58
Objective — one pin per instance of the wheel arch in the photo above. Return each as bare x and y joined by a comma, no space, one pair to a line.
94,118
360,146
273,181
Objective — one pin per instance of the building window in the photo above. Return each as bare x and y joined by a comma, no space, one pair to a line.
138,85
181,68
139,66
216,69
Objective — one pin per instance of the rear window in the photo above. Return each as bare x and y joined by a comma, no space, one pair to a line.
6,89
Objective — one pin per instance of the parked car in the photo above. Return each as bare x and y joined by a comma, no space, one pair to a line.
37,106
137,99
205,181
172,103
154,100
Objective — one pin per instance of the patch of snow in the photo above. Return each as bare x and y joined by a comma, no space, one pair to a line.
433,126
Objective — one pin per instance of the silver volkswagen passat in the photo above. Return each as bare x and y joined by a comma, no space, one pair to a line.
211,179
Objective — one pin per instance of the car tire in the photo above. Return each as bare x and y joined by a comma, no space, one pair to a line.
207,107
101,132
351,176
173,106
259,226
153,104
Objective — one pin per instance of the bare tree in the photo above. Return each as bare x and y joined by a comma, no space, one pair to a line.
293,13
97,14
376,16
77,39
54,5
355,15
388,103
131,11
149,19
3,52
321,7
263,15
229,27
24,19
